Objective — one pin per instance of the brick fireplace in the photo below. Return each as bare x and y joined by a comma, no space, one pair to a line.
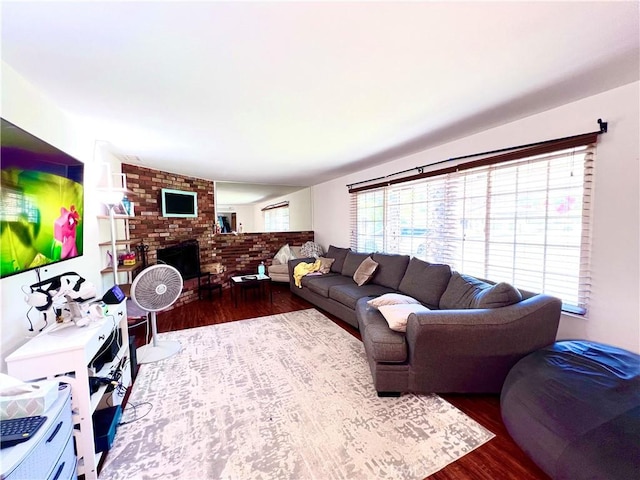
237,253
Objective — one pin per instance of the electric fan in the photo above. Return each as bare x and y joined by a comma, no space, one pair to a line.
156,288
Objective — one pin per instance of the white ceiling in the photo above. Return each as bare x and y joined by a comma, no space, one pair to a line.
296,93
232,194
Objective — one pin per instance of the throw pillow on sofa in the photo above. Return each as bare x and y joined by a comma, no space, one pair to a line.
351,263
364,273
465,292
311,249
397,316
391,299
284,255
325,264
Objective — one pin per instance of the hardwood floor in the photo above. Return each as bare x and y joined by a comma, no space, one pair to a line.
500,458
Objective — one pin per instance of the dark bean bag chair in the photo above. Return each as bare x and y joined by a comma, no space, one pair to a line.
574,408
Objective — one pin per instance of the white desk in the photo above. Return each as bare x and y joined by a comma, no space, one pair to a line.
64,354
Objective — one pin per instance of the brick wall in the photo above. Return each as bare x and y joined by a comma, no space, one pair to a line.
243,253
238,253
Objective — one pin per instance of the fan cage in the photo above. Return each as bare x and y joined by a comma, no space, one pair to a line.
156,287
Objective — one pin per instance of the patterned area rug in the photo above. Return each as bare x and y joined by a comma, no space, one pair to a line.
288,396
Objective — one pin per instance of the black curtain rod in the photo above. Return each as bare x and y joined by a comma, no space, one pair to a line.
603,129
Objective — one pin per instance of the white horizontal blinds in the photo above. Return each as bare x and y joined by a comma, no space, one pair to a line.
277,219
416,217
406,218
584,292
353,221
537,219
369,226
525,221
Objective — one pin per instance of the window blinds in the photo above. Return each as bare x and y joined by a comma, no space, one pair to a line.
276,219
524,221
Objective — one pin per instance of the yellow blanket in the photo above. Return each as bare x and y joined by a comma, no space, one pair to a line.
304,268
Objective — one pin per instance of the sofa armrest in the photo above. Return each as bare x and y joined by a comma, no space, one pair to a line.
474,350
292,265
517,329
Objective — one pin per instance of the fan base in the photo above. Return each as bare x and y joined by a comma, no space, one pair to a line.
154,353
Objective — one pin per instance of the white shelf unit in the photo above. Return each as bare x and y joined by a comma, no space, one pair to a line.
125,273
64,354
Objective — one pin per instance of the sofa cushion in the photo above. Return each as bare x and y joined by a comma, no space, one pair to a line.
465,291
425,281
351,263
381,343
365,271
499,295
278,269
397,315
384,345
391,299
339,254
321,284
391,269
461,291
349,293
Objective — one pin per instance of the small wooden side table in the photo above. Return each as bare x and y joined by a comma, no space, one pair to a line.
249,281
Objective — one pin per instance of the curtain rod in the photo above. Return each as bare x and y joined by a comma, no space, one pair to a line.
276,205
603,129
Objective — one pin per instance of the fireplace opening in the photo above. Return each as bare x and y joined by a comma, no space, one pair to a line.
184,256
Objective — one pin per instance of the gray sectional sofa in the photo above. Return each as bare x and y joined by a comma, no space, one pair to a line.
473,332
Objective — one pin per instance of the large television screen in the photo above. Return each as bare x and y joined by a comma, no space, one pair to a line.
41,202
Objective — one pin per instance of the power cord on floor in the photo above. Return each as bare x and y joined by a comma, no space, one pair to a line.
135,412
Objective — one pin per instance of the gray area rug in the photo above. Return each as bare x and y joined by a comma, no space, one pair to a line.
288,396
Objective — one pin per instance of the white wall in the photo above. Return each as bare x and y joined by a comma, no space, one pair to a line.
614,308
300,218
300,211
26,107
252,217
245,216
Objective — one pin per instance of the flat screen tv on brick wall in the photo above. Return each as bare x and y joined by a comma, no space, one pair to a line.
41,203
178,203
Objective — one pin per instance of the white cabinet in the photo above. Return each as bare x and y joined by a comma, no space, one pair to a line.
65,354
49,453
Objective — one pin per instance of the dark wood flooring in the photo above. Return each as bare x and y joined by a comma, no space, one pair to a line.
500,458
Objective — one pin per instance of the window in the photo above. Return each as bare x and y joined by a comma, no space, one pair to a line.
276,218
523,221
